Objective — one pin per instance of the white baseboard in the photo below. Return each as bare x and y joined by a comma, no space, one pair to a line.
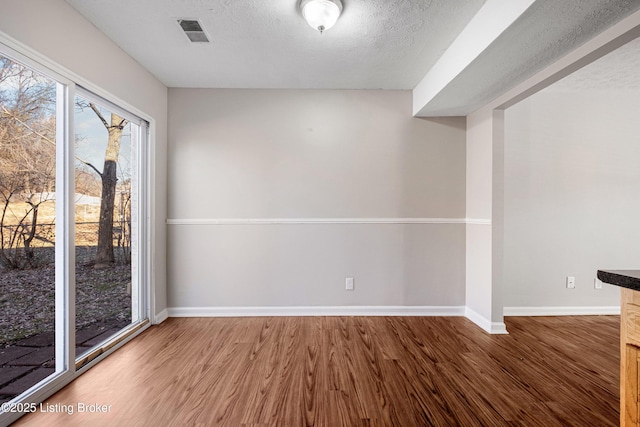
316,311
496,328
161,317
561,311
484,323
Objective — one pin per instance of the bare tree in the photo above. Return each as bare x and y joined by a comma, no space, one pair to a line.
27,161
124,220
105,254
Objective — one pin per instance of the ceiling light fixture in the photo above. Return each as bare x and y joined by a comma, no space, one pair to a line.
321,14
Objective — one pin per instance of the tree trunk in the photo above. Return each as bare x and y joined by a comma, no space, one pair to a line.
28,250
3,249
105,255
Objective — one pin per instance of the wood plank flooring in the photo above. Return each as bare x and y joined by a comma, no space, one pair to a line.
354,371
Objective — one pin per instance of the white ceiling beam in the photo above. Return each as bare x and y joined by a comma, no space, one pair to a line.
492,19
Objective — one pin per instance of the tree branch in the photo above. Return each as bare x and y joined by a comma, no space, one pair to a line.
46,138
91,166
95,110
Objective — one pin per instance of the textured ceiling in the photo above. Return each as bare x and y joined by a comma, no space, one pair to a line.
376,44
548,30
617,71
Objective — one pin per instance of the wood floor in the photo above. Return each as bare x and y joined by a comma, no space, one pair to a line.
354,371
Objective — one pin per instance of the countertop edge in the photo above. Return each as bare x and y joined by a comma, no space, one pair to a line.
629,279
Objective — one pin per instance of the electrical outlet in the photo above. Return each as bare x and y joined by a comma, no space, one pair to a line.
571,282
349,283
597,283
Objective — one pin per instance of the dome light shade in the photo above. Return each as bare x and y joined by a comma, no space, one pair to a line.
321,14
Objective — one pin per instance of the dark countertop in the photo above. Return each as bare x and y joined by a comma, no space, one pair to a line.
624,278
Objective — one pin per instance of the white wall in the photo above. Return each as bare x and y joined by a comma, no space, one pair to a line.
56,31
316,155
572,196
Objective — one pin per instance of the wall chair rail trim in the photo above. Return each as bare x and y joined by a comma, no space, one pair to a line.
279,221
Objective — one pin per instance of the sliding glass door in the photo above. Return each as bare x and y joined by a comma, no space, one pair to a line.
73,230
108,209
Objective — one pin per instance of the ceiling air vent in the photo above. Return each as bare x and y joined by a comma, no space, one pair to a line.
193,30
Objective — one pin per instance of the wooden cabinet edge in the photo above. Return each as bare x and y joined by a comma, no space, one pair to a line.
629,359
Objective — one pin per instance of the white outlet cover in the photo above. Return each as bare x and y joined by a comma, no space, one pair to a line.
349,283
571,282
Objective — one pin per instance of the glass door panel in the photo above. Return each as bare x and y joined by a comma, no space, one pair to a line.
28,103
106,202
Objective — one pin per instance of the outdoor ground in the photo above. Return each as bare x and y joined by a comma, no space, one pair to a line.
27,316
27,298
